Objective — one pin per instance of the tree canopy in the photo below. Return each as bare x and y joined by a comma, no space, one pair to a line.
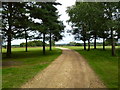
92,20
19,20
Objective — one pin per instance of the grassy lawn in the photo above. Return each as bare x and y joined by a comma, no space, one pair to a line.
28,64
105,65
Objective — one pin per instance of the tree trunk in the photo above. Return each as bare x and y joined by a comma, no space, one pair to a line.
84,36
9,31
9,42
84,45
26,45
50,42
112,43
103,43
26,41
44,43
95,42
88,44
89,37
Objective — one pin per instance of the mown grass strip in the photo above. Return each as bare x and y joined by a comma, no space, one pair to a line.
32,63
103,63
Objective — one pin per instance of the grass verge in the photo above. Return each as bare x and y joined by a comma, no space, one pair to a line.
105,65
31,63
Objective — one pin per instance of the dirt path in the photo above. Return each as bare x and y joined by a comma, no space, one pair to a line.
70,70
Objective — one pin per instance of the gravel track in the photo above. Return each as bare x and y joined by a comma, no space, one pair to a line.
69,70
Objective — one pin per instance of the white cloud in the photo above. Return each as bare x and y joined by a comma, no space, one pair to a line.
64,17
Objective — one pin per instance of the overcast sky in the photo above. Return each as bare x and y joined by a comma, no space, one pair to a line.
64,17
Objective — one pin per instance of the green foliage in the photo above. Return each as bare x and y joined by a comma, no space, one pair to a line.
32,43
74,44
93,20
108,42
84,17
36,43
19,21
78,44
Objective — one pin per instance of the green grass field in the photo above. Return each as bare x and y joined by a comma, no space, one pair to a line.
28,64
105,65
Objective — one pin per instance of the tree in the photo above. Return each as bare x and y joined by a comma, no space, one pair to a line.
95,20
83,16
103,31
8,30
23,23
111,12
32,43
38,11
46,12
19,19
14,20
55,27
55,32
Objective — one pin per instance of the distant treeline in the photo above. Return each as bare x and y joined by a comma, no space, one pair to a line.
34,44
37,43
107,43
